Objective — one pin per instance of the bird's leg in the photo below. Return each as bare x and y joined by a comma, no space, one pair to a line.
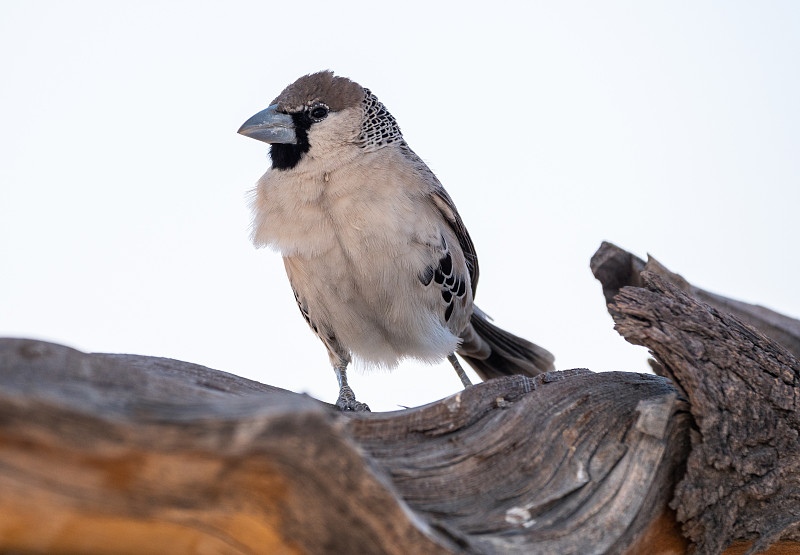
460,371
347,399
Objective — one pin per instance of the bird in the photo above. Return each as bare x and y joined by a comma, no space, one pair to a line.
380,262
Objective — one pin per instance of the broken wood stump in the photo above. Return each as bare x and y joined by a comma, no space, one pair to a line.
616,268
742,480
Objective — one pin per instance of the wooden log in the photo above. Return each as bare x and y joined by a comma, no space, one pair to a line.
743,388
130,454
127,454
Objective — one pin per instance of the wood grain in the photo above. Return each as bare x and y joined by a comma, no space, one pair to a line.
122,453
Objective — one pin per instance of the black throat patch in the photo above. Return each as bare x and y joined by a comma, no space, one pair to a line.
287,156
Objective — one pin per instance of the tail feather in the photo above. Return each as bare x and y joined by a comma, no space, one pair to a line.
496,352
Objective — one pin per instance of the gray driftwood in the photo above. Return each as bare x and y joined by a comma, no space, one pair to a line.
130,454
125,454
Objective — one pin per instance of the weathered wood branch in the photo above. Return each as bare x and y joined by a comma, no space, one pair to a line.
741,480
131,454
123,453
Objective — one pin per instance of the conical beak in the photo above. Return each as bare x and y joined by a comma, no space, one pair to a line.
270,126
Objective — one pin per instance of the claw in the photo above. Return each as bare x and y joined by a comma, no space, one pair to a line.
347,401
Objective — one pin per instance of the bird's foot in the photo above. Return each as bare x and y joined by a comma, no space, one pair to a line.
347,401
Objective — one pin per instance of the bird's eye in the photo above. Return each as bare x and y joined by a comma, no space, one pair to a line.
318,112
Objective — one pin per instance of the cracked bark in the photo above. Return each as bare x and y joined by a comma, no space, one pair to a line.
741,481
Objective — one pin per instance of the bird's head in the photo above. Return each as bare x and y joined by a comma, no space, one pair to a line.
317,115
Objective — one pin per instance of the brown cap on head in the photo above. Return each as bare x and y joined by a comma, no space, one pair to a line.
336,92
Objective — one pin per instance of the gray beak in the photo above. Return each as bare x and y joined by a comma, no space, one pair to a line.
270,126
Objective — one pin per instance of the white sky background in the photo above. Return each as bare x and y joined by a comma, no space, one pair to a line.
665,127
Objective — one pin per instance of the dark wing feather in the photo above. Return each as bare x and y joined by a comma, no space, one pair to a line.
448,210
